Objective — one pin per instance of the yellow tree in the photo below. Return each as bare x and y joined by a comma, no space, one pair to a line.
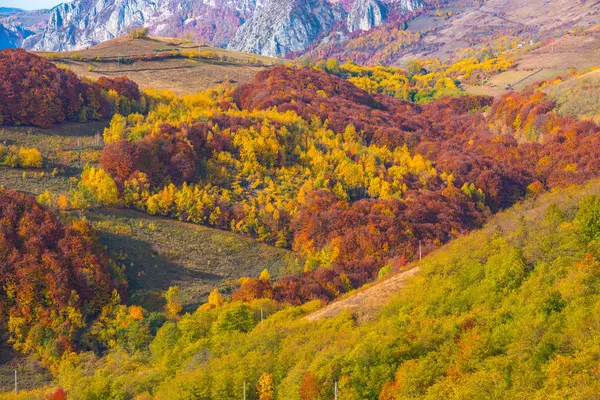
215,298
266,387
174,302
265,275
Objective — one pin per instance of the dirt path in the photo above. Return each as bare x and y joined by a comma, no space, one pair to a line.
368,301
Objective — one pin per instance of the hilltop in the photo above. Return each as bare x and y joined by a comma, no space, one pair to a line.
163,63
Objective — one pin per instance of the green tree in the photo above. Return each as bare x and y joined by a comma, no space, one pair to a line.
588,218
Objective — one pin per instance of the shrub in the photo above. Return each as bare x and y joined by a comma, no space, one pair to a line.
138,33
30,158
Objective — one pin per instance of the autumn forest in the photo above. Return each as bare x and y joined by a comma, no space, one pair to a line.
361,173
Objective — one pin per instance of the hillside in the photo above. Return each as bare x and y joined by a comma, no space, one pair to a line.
166,64
183,221
158,253
504,312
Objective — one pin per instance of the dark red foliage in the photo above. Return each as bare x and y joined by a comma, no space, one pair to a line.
123,86
46,267
34,91
120,160
169,155
371,233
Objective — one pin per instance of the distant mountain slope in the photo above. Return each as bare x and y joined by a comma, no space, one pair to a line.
17,25
457,24
12,37
268,27
282,27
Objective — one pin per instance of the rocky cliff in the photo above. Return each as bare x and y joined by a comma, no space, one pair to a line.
285,26
17,25
269,27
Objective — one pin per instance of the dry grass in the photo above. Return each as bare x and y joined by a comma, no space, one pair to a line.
159,252
30,374
180,75
365,302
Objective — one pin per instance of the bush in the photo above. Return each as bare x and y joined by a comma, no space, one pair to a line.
138,33
211,55
30,158
20,157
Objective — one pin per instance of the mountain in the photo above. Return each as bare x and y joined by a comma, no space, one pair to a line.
17,25
267,27
282,27
85,23
12,36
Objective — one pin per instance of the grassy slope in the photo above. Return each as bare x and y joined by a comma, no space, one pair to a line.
179,75
160,252
544,62
366,302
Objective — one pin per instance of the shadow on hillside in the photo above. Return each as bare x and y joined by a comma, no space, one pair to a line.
150,274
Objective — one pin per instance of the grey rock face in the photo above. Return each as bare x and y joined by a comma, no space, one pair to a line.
283,26
84,23
367,14
11,37
17,26
268,27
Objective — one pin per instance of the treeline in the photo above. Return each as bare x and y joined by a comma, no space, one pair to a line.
351,180
33,91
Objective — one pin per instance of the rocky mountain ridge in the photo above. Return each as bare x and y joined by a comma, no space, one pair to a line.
17,25
267,27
